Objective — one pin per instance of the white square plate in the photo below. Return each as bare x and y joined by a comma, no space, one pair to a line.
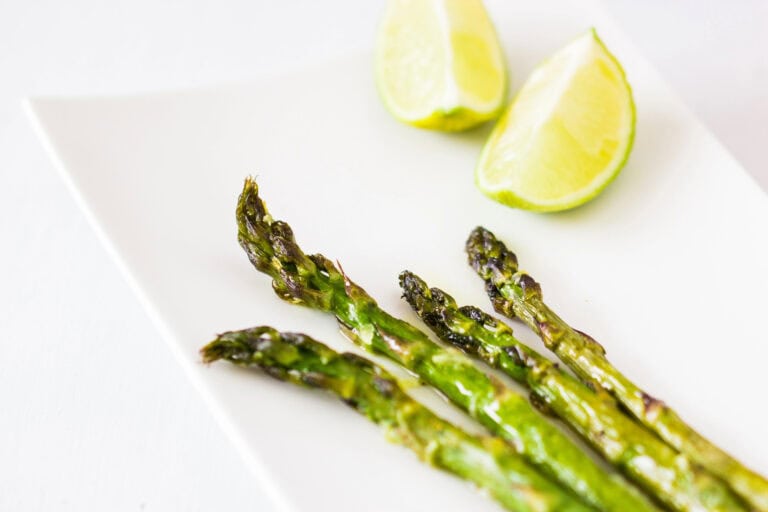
668,269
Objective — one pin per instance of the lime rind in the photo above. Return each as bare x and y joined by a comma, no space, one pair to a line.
456,119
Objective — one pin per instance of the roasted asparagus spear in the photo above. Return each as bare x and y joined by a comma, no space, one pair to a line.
516,294
314,281
662,471
488,462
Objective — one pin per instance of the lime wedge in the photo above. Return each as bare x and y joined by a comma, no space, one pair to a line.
439,64
565,136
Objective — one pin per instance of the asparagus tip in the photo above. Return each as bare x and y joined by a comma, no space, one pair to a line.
237,345
486,253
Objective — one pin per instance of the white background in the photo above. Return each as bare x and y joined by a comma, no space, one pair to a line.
94,412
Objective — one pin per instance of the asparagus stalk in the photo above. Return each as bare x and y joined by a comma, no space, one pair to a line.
314,281
488,462
516,294
666,474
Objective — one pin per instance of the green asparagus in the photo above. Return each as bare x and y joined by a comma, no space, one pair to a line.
314,281
488,462
643,457
516,294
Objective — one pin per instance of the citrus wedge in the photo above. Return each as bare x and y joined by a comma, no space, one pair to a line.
565,136
439,64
